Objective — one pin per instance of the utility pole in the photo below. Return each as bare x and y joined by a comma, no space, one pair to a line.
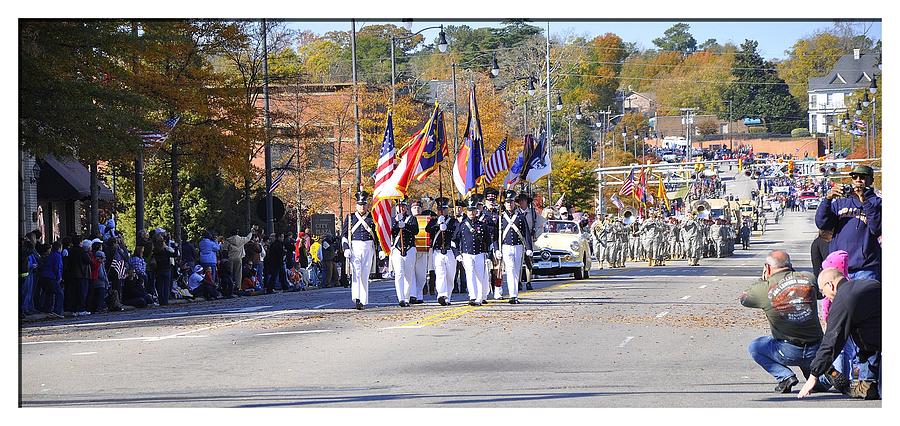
270,222
730,135
549,126
455,122
138,164
356,104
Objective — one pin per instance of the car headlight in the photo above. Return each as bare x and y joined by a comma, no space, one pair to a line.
575,246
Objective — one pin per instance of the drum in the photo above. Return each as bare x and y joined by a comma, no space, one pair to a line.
423,240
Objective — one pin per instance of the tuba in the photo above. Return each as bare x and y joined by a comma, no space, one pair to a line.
629,216
702,208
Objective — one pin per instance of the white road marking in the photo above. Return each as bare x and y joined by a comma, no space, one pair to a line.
625,342
702,286
83,353
322,306
403,326
247,309
716,279
172,336
685,297
662,314
279,333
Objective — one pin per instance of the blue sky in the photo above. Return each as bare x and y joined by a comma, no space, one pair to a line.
774,37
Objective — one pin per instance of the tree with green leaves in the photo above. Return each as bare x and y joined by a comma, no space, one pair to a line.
758,92
812,56
677,39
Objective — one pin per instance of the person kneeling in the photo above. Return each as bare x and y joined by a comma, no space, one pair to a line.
789,300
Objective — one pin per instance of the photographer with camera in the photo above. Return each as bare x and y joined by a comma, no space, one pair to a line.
789,300
854,213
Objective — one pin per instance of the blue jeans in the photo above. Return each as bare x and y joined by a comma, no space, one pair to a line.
53,296
163,286
26,294
777,356
865,274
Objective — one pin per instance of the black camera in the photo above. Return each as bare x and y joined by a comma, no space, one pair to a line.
847,190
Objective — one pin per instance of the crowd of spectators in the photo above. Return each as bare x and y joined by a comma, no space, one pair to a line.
79,276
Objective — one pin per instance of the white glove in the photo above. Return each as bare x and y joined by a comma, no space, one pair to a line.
459,258
441,221
443,227
528,252
497,254
347,254
399,217
382,255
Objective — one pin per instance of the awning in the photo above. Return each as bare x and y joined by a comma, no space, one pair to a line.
67,180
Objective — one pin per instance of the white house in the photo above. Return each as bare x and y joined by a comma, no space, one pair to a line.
850,74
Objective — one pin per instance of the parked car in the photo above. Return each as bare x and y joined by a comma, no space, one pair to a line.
562,249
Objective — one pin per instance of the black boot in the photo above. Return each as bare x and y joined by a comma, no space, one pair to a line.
442,300
359,305
514,301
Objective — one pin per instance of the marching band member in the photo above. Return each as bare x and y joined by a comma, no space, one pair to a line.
420,279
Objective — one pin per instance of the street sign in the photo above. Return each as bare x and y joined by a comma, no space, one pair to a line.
322,224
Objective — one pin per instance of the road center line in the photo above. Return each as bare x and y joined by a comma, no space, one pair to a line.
662,314
279,333
83,353
625,342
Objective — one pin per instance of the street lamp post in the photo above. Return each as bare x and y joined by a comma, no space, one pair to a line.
442,47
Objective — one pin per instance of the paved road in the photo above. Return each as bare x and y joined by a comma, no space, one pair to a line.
672,336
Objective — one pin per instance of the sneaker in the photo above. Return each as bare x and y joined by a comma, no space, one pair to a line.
785,385
864,389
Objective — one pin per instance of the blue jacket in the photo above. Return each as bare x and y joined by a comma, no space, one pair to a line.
208,250
857,227
52,266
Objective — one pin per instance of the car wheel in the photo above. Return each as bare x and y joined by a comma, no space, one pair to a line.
587,268
579,274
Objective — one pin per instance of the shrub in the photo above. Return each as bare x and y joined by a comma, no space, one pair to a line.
800,133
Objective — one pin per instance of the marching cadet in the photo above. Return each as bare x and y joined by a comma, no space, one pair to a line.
535,223
658,247
470,244
441,230
715,235
359,243
647,235
598,231
423,260
514,242
460,280
492,210
404,228
693,239
611,237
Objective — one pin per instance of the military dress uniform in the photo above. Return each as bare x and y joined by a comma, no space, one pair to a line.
598,231
423,266
515,244
491,213
471,243
647,234
404,228
441,230
359,241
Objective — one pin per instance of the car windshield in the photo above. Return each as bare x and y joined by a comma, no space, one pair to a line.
561,227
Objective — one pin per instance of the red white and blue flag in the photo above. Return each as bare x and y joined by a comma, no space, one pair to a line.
277,180
150,137
381,210
628,185
468,171
498,162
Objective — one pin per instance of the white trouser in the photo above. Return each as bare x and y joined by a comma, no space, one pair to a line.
512,262
488,285
361,253
421,277
444,272
404,272
476,282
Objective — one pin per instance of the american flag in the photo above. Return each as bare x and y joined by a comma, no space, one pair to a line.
498,162
149,138
277,180
628,185
381,210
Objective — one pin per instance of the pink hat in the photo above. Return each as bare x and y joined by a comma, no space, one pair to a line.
837,260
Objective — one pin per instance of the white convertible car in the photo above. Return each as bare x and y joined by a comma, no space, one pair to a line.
562,249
